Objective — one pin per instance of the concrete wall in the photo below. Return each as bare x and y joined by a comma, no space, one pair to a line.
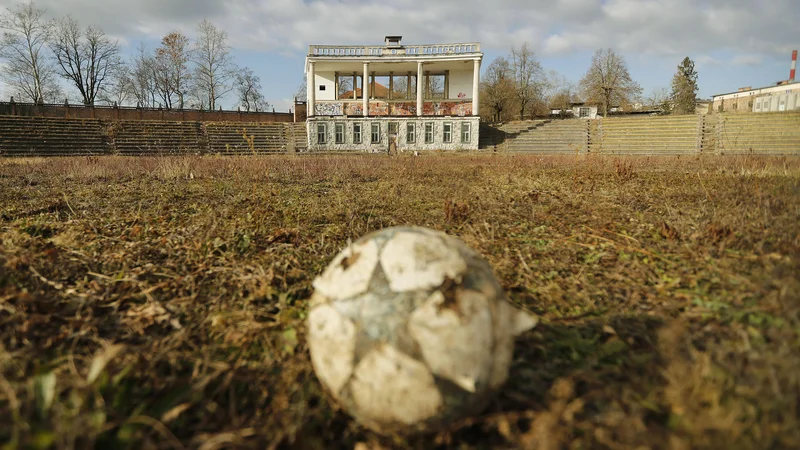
778,102
745,100
402,144
461,83
131,113
328,80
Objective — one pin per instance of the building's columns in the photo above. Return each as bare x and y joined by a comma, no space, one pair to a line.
336,85
355,85
365,90
310,89
476,87
446,94
419,88
391,85
408,87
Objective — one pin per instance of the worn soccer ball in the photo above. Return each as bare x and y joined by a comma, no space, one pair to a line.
409,330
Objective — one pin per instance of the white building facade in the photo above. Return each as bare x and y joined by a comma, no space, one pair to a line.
393,97
779,98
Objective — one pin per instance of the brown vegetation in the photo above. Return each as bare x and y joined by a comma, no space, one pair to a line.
160,302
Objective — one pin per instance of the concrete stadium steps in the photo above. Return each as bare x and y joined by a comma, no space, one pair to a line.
299,134
552,137
152,137
497,136
490,137
767,133
42,136
248,138
670,135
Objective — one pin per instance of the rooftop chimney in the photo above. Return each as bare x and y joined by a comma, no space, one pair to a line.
794,66
393,41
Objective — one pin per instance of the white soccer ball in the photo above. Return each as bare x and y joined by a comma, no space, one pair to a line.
409,330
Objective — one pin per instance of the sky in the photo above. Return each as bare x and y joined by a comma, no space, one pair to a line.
734,43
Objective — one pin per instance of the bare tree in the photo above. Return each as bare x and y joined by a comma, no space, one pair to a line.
213,72
345,84
86,57
560,93
170,70
659,98
28,67
140,79
117,88
528,78
248,88
302,91
607,82
498,87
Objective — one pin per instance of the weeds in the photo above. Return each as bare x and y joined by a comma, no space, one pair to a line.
160,302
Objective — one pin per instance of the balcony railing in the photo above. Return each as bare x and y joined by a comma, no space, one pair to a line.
345,51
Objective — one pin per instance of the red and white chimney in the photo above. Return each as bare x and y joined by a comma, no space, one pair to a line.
794,66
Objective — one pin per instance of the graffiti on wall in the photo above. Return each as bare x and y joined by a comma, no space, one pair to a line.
447,109
381,108
328,109
404,109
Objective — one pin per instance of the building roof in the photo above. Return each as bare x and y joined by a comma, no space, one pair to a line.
771,88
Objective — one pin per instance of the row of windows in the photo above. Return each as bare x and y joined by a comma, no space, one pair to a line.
411,132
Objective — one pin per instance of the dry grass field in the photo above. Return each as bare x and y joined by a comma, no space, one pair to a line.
159,303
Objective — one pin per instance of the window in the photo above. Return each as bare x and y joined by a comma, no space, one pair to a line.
322,87
340,133
447,132
465,133
321,132
583,112
376,132
429,133
411,133
393,128
356,133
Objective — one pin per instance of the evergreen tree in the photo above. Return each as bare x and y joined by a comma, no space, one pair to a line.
684,88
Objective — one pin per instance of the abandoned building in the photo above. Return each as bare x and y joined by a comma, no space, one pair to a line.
783,96
393,97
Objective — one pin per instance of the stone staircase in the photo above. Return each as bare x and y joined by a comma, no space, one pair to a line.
299,135
129,137
35,136
647,135
761,133
249,138
43,136
536,136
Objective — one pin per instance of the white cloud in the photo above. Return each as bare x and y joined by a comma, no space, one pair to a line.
660,27
715,33
747,60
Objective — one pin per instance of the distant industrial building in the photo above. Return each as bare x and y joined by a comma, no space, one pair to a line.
783,96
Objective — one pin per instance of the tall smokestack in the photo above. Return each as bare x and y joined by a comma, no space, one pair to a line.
794,66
